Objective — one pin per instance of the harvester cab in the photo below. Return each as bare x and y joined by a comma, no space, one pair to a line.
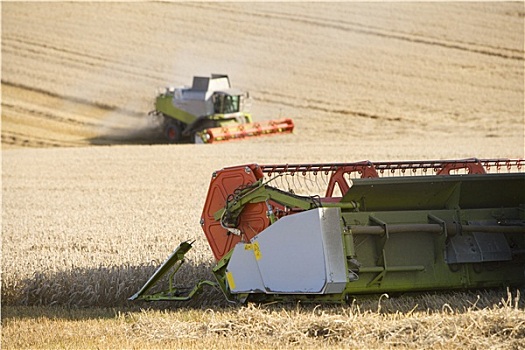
210,111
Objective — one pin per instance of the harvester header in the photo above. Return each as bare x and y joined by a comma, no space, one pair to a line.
210,111
327,232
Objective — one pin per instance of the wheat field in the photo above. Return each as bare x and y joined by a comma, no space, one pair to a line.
93,200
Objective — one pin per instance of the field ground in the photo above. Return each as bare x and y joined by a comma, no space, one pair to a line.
346,72
450,321
92,200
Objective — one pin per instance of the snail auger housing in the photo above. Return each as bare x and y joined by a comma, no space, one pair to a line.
326,232
210,111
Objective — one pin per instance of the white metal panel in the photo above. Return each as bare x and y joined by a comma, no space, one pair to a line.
300,254
242,273
292,257
333,242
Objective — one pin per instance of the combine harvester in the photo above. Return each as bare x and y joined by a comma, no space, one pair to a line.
327,232
210,111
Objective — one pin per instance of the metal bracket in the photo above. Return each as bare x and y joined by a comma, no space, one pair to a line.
174,262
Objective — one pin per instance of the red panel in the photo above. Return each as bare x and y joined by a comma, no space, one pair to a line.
472,167
252,219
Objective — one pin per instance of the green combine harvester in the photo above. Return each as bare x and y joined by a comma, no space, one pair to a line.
328,232
210,111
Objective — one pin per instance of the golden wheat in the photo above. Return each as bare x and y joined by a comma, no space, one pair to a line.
419,72
340,327
84,227
359,325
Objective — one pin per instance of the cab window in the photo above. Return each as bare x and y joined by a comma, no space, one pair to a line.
225,104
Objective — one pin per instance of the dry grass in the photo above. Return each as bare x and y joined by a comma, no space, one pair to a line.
83,227
348,327
364,324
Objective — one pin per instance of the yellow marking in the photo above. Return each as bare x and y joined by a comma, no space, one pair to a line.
255,248
257,251
231,282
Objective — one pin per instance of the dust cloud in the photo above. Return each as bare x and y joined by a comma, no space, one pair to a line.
120,127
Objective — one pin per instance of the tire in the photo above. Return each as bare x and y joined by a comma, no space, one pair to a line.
173,132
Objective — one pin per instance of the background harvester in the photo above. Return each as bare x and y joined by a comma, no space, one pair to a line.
326,232
210,111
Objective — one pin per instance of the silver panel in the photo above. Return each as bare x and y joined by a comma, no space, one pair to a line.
334,252
196,103
292,254
301,253
243,271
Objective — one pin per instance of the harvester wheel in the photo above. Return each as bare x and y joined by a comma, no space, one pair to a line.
173,132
